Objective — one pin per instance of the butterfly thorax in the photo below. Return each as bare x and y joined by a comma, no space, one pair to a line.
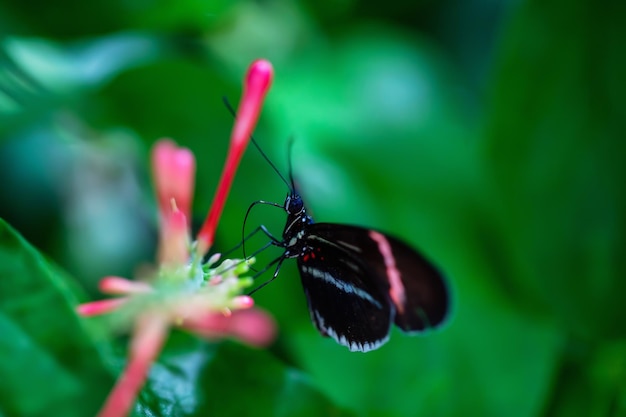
295,229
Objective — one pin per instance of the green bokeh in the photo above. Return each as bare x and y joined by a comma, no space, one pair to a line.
488,134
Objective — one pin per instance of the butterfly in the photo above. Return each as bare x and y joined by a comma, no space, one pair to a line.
359,281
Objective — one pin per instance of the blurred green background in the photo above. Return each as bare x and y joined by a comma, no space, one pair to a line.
488,133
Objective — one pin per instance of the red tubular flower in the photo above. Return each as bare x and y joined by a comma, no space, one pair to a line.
200,298
257,83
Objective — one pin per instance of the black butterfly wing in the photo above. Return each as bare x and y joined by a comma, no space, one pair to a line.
343,299
415,289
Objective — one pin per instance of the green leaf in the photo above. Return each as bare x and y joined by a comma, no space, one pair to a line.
242,381
555,152
591,381
195,378
48,363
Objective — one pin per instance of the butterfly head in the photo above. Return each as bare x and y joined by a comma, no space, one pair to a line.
293,204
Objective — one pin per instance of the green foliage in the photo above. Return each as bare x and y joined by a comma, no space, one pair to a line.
49,363
559,169
488,135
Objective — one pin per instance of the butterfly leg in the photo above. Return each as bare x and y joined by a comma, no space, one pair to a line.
278,261
246,238
273,241
263,228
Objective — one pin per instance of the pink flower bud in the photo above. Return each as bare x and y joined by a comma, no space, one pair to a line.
118,285
174,172
95,308
243,302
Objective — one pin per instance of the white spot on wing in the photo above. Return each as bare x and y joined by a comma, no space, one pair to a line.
349,246
340,285
354,346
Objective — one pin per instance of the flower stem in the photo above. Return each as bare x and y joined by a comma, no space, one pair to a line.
150,333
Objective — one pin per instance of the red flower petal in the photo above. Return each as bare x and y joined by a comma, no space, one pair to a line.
254,327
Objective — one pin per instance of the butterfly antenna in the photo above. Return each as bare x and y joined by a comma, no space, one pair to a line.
256,145
290,165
